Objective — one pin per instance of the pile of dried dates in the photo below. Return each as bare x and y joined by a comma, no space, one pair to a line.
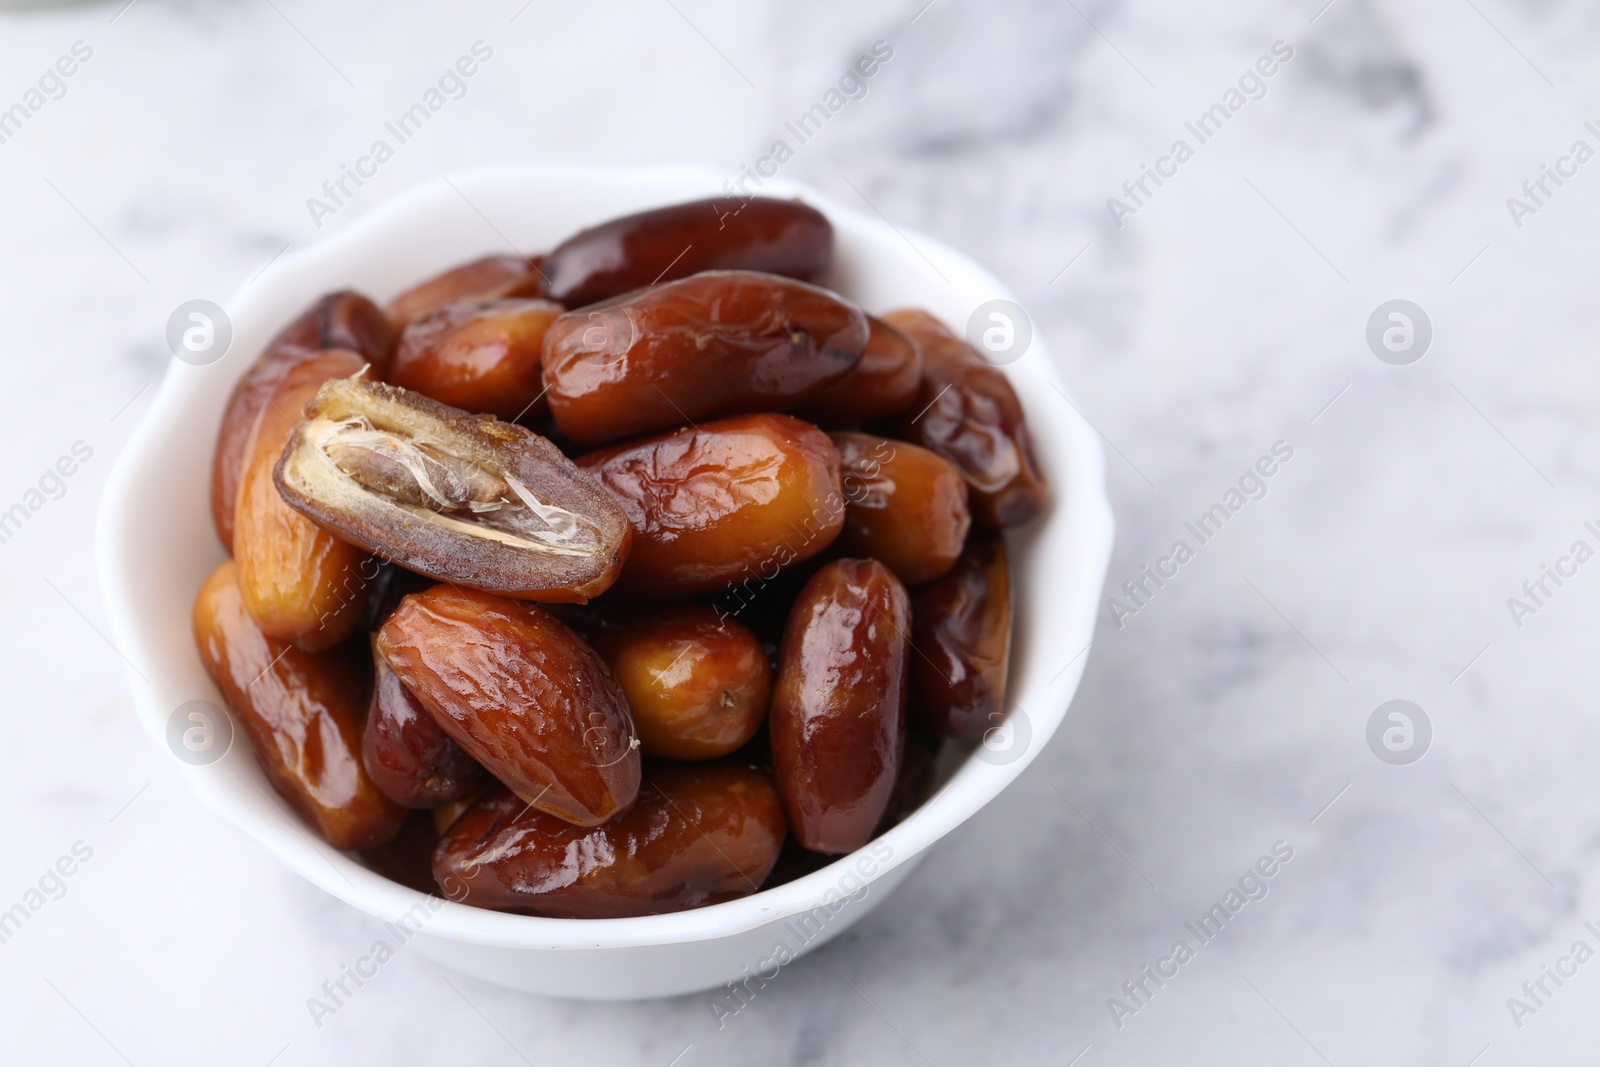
620,580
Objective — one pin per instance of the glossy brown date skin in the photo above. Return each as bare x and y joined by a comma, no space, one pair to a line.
339,320
886,382
302,713
905,506
700,834
839,706
757,233
489,278
412,760
723,503
719,343
480,356
970,415
699,685
300,583
961,631
523,694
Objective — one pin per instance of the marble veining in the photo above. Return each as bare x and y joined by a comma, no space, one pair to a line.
1424,903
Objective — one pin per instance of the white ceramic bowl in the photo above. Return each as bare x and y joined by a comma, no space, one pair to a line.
155,546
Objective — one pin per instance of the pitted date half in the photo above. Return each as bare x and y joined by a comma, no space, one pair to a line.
411,759
718,343
480,355
523,694
339,320
300,582
461,498
302,713
970,415
489,278
839,706
962,634
700,834
723,503
734,233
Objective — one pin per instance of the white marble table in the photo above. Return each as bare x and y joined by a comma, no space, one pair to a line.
1228,314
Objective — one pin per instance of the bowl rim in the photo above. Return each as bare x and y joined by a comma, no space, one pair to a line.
1078,500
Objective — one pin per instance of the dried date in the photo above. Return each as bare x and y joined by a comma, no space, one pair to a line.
700,834
524,695
719,343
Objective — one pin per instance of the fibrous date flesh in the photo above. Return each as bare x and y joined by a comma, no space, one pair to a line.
461,498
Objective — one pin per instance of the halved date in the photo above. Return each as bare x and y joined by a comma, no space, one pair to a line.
700,834
461,498
961,631
885,382
662,245
489,278
523,694
713,505
300,582
698,684
719,343
302,714
839,706
969,414
482,356
905,506
411,759
339,320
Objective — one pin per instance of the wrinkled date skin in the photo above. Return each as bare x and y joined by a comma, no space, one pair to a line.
410,758
700,834
905,506
756,233
523,694
462,498
962,634
719,343
481,356
974,420
839,706
489,278
730,502
886,382
339,320
300,582
699,685
302,713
